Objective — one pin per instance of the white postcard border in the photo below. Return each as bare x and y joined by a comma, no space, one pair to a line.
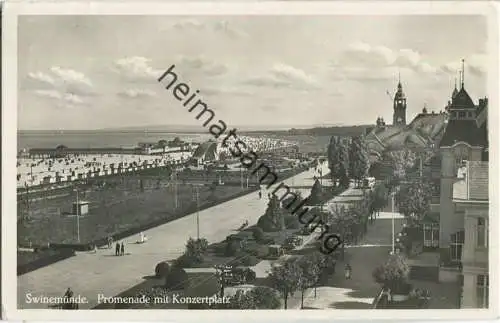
9,151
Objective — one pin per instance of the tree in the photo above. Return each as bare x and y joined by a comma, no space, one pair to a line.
177,141
291,201
273,219
359,159
402,161
414,201
258,233
162,143
394,274
310,270
265,298
338,161
195,249
379,197
285,278
316,196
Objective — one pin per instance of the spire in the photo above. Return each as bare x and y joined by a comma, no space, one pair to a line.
463,72
399,80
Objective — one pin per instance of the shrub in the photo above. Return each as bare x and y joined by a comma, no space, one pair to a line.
232,248
184,261
394,274
291,222
250,275
176,279
259,251
162,269
249,260
268,240
266,224
220,248
258,233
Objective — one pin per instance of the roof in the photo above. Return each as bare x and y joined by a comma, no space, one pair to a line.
207,148
462,100
399,94
463,130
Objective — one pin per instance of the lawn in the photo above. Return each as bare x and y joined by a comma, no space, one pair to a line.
112,210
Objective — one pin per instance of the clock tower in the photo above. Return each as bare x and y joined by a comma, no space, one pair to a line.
399,116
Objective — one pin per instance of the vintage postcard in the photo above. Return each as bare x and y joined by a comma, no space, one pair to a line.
269,156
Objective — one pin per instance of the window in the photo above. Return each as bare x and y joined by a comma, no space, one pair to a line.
456,246
461,114
431,235
469,114
482,233
482,287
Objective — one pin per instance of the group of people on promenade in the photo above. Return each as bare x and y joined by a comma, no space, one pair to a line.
119,249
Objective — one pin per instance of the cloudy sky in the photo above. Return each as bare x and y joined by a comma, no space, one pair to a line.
90,72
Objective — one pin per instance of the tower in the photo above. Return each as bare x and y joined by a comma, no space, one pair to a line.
399,116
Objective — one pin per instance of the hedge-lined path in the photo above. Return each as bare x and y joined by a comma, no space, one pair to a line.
90,274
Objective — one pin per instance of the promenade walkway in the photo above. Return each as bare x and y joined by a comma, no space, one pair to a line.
358,292
90,274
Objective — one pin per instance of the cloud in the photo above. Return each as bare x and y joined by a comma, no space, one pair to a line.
136,93
362,55
63,99
188,24
475,64
64,81
218,27
203,65
284,76
41,77
226,90
67,87
228,29
136,69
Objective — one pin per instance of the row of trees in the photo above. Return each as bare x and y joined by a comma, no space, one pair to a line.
348,158
299,274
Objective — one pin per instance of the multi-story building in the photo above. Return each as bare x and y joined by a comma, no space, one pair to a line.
470,198
463,210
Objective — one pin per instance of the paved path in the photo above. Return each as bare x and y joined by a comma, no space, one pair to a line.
361,289
90,274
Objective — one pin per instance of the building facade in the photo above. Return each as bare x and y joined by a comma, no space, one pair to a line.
473,204
463,208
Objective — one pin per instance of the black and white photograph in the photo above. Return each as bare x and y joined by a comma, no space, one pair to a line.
250,161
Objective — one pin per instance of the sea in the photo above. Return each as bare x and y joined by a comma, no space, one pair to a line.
100,138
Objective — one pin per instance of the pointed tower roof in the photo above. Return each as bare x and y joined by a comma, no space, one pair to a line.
455,90
399,93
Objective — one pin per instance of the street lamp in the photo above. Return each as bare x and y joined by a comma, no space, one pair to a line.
196,197
77,216
392,220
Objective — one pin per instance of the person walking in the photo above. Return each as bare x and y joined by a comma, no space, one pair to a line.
260,195
348,272
122,249
117,249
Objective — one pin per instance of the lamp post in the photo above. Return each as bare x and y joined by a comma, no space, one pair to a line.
196,197
77,216
392,220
